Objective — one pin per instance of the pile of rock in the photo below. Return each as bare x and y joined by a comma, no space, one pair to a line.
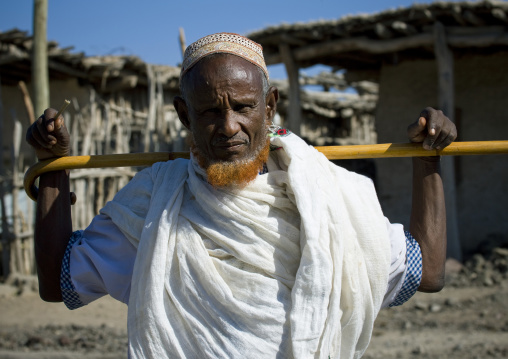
66,339
480,270
19,285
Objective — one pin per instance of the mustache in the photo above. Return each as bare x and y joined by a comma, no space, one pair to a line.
236,139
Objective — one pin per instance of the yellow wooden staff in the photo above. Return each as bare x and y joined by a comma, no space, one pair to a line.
331,152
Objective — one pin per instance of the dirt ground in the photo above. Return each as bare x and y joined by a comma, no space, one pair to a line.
468,319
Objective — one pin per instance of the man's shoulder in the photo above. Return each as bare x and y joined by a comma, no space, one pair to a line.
151,178
154,184
168,174
175,167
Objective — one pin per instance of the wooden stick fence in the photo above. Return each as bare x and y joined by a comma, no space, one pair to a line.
388,150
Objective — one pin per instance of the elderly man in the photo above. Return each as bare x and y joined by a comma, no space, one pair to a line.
257,247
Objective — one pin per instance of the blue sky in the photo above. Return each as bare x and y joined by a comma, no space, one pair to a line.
149,28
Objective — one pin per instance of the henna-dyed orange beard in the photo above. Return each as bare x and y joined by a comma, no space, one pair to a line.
233,174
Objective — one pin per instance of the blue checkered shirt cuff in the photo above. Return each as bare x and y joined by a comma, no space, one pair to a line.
69,295
413,271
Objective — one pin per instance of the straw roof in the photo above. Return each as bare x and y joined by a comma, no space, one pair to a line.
106,73
392,35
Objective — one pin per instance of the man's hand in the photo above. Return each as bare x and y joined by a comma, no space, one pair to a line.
49,136
433,129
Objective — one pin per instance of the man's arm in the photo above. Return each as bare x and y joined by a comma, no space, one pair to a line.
428,221
428,212
53,226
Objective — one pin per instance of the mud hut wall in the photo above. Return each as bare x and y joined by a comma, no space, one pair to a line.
129,110
482,94
357,128
481,85
332,118
13,104
19,207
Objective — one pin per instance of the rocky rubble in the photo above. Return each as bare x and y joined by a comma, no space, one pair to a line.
481,271
74,338
19,285
468,319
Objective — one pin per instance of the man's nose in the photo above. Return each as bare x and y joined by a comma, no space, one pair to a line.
230,125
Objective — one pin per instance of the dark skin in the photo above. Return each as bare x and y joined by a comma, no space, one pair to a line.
225,109
227,113
428,211
50,139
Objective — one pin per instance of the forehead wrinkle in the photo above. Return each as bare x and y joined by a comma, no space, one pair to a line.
229,74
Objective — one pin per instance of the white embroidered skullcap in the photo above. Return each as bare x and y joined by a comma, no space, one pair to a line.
224,43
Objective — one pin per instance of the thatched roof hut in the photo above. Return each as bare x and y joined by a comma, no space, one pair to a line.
119,104
109,79
366,42
451,55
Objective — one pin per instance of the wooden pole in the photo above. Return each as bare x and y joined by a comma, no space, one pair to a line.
181,38
446,102
459,39
6,235
294,113
29,107
387,150
18,265
40,76
150,123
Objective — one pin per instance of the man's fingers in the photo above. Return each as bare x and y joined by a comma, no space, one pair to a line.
431,139
39,139
42,126
43,129
31,139
59,122
435,121
437,142
417,130
50,113
434,124
444,141
48,136
55,124
448,135
52,140
52,123
51,126
433,129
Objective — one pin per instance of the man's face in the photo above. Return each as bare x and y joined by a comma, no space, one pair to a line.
225,108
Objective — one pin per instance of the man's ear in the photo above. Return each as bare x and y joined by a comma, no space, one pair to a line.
182,111
271,102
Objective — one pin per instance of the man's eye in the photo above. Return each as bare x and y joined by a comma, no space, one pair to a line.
242,108
213,110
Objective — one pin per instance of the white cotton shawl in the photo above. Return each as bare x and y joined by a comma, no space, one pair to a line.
232,274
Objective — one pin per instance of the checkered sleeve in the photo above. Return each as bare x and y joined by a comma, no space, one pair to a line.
69,295
413,275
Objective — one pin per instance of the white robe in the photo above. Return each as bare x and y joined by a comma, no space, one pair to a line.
232,274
